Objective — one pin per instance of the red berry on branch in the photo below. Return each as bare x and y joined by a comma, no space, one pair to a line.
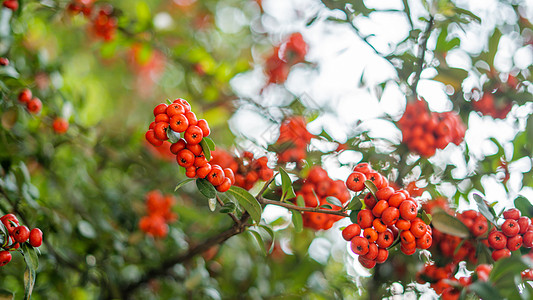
179,123
216,176
204,126
356,181
34,105
21,234
150,137
351,231
10,221
497,240
160,131
365,218
513,214
5,258
36,237
4,61
193,134
501,253
60,125
185,158
175,109
359,245
160,109
510,228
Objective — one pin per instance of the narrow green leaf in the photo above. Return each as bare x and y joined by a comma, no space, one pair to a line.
449,224
485,210
259,240
228,208
272,238
297,220
426,217
206,149
355,204
507,267
353,216
32,263
209,143
182,183
287,190
247,201
334,201
372,187
206,188
326,206
484,290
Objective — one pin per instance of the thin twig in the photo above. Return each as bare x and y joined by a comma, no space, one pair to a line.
422,55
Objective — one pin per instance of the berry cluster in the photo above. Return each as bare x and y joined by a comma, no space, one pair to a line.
424,132
443,280
247,169
11,4
515,232
160,213
487,106
314,190
18,234
293,140
33,104
178,118
286,55
103,22
388,213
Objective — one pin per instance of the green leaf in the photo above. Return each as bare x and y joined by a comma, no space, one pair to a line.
353,216
355,204
206,148
372,187
334,201
426,217
297,220
173,136
32,263
326,206
259,240
445,223
182,183
300,201
247,201
206,188
484,290
287,190
507,267
524,206
271,233
228,208
486,211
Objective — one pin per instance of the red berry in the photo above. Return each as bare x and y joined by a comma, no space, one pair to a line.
483,272
370,234
418,229
527,239
376,178
193,134
195,148
351,231
425,241
21,234
407,237
5,257
370,201
200,161
216,176
162,118
363,168
359,245
379,208
372,253
204,126
150,137
175,109
385,239
160,109
510,227
60,125
192,118
4,61
34,105
524,223
190,171
356,181
385,193
497,240
480,227
25,96
383,254
10,221
365,218
513,214
499,254
36,237
11,4
367,263
179,123
514,243
160,131
229,174
402,224
224,186
396,199
185,104
178,146
390,215
202,172
408,210
185,158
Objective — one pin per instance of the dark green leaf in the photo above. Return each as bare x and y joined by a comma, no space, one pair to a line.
372,187
287,190
247,201
353,216
507,267
485,210
355,204
182,183
524,205
272,238
206,188
297,220
259,240
326,206
300,201
445,223
206,149
426,217
484,290
228,208
334,201
209,143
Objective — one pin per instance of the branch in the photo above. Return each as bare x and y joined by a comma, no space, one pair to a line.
421,55
299,208
168,264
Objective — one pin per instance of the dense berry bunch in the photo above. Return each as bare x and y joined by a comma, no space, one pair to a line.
33,104
515,232
488,106
293,140
159,209
81,6
443,281
17,234
424,132
247,169
177,118
314,190
387,214
286,55
104,23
